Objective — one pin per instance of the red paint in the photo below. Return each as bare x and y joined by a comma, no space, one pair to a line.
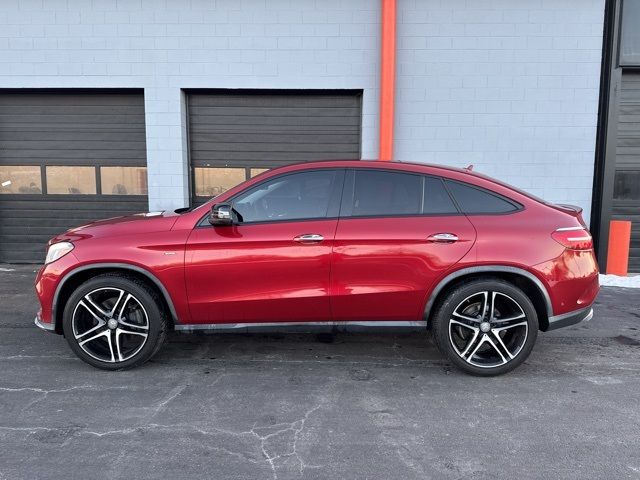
387,78
383,267
365,269
252,273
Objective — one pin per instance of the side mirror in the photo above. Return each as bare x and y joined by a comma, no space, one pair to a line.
221,215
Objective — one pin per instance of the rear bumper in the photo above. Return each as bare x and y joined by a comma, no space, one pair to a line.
571,318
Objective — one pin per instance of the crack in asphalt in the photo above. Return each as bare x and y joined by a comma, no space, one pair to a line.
271,452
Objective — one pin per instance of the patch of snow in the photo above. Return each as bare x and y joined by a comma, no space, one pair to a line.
617,281
2,269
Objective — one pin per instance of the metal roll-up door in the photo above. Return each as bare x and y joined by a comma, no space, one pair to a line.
236,134
626,194
67,158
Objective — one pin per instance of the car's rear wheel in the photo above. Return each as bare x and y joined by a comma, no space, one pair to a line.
486,327
114,322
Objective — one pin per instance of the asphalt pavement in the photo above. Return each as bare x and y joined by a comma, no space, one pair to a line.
349,406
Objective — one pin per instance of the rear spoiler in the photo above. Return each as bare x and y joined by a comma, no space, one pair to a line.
573,210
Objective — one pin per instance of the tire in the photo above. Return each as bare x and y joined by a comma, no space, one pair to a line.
497,342
114,322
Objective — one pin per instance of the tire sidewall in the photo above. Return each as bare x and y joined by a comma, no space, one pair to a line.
453,299
154,314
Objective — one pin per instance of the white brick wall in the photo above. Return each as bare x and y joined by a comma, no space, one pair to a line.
164,46
510,86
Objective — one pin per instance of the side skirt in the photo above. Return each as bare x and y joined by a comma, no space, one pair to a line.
305,327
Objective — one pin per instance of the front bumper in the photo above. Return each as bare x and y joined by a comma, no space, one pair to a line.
49,327
570,318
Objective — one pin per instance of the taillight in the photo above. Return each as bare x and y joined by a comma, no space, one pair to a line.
573,238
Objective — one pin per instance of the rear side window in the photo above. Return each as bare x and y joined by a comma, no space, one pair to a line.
377,193
436,199
385,193
474,200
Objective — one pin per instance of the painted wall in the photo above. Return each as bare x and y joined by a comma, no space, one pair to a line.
510,86
164,46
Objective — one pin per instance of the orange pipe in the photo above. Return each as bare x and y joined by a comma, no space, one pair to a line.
387,78
618,251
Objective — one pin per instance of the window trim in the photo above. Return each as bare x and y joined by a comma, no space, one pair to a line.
335,199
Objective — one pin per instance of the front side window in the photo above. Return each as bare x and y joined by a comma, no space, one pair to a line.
304,195
473,200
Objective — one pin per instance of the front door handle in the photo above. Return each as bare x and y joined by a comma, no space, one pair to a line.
442,238
309,238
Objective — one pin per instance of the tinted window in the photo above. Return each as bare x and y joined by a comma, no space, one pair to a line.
475,200
378,193
436,198
289,197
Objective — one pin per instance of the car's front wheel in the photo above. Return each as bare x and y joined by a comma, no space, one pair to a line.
486,326
114,322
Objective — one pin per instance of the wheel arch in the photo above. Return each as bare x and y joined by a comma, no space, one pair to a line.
525,280
79,275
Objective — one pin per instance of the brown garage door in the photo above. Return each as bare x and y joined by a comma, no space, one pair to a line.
67,158
235,134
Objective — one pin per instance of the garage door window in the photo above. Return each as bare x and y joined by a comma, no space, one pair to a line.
258,171
20,179
71,180
123,180
210,182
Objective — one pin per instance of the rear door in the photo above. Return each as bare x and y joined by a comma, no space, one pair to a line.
274,264
397,233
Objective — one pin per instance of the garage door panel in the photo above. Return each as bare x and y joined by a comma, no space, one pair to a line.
129,111
266,129
72,154
276,120
626,206
257,138
268,147
64,135
300,98
63,145
270,112
52,129
284,158
73,119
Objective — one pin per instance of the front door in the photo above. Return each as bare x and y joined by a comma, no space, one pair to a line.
397,233
273,265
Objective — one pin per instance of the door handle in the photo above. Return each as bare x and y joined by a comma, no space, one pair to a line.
442,238
309,238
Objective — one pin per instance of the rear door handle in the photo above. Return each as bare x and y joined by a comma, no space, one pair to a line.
442,238
309,238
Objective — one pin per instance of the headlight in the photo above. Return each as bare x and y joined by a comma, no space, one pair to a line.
58,250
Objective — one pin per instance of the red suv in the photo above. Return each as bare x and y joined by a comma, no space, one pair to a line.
328,246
